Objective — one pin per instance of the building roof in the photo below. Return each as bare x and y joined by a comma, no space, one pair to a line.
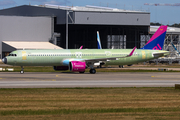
88,8
82,15
31,45
170,30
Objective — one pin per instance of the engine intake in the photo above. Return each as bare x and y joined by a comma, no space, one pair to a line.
77,66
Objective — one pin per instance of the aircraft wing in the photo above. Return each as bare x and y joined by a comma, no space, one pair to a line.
110,58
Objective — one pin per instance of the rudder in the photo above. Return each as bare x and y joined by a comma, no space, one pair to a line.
157,40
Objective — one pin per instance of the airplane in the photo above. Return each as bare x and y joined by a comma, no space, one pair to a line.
77,60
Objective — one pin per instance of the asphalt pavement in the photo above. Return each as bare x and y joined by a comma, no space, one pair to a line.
100,79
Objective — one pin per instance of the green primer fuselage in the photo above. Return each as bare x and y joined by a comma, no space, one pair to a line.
57,57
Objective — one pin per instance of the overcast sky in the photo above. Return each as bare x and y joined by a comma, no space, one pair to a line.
161,14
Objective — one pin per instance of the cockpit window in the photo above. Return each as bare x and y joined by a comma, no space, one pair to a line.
12,55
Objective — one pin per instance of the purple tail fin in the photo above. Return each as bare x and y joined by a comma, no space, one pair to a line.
157,40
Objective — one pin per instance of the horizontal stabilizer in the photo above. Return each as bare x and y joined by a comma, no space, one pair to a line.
161,54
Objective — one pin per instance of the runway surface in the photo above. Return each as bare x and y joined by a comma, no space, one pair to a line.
101,79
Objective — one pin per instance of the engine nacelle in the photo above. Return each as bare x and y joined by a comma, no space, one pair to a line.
77,66
59,68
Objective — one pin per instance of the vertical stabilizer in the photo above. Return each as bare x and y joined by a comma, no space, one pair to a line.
98,41
157,40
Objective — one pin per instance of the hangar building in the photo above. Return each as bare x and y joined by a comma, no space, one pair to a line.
71,27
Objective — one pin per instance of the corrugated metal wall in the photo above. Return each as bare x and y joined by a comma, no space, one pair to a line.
13,28
109,18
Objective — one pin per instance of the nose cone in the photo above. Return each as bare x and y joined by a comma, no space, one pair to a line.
4,60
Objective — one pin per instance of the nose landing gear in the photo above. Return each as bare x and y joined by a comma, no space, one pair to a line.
22,70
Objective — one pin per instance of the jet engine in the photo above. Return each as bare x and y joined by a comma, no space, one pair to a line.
77,66
59,68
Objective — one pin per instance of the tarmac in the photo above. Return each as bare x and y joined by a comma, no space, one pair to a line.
100,79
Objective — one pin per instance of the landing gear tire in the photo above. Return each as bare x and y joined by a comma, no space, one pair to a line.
82,72
92,71
22,70
121,66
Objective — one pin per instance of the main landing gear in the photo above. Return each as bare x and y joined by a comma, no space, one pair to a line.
22,70
92,71
121,66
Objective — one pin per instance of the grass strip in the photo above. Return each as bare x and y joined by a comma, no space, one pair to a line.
83,111
92,103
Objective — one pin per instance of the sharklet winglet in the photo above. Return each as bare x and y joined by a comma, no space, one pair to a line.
132,51
81,47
